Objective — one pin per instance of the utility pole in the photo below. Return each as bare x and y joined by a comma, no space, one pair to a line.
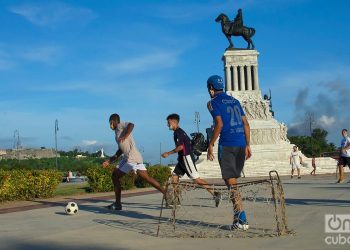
311,121
197,120
56,129
16,143
160,154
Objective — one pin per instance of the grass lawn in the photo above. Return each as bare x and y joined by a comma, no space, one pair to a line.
72,188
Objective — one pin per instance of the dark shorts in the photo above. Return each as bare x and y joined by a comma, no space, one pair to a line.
186,165
231,161
344,161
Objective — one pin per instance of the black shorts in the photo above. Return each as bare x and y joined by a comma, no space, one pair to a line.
231,161
344,161
186,165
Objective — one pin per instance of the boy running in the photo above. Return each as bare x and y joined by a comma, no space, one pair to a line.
186,160
132,160
344,158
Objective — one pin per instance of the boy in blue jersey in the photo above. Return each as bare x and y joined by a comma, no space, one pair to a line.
186,160
344,157
232,125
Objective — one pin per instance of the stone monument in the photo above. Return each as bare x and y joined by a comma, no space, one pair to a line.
269,143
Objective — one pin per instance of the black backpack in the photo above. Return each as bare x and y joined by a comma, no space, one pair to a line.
199,144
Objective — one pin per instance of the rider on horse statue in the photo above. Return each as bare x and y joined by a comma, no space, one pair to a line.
238,21
236,28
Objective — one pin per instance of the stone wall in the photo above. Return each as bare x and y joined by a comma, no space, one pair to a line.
23,154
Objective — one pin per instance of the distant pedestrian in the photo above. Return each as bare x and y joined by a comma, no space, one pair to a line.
344,158
313,163
295,160
69,176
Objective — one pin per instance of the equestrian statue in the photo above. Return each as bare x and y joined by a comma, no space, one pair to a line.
236,28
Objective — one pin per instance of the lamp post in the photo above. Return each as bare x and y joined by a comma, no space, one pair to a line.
311,121
160,154
197,120
56,129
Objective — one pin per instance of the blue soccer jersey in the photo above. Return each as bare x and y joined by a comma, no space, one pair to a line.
231,112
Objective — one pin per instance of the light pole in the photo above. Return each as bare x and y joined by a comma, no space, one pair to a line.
56,129
16,143
160,154
197,120
311,121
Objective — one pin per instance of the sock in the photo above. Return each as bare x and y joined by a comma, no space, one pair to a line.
240,217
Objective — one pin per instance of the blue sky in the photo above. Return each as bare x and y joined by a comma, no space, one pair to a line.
80,61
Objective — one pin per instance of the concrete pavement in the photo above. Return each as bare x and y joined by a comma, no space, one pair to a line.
46,226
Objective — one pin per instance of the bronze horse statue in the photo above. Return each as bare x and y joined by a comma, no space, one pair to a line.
230,28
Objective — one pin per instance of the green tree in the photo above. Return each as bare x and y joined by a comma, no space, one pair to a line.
316,144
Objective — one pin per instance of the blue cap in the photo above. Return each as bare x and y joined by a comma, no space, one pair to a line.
216,81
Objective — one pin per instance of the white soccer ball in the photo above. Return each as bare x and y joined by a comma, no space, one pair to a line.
72,208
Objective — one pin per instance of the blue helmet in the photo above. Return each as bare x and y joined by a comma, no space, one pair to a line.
216,81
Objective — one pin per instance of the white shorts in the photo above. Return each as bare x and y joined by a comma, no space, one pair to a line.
127,167
294,166
186,166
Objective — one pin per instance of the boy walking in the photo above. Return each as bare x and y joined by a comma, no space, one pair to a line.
132,160
232,125
295,160
186,160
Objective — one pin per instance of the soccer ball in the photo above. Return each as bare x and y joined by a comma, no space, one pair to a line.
72,208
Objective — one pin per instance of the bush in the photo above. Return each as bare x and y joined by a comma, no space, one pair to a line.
100,179
159,173
28,184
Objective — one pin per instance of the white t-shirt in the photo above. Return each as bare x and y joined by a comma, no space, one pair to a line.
344,143
295,158
128,146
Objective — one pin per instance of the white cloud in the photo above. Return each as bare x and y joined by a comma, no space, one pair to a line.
144,63
88,142
46,54
326,121
51,14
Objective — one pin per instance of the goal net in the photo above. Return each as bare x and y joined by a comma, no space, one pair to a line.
193,212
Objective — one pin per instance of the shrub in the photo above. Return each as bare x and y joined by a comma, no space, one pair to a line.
159,173
28,184
100,179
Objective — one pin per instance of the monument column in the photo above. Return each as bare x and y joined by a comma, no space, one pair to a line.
241,71
255,72
249,77
235,78
228,78
241,78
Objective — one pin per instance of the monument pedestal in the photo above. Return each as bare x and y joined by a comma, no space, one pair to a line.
270,146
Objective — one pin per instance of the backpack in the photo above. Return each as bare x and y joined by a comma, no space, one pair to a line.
199,144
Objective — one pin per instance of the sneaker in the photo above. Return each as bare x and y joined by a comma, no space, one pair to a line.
341,181
240,221
217,198
299,177
115,206
291,176
241,226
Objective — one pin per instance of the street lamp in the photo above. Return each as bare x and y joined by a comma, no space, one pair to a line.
197,120
56,129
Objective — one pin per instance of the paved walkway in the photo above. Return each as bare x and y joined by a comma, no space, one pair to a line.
44,225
